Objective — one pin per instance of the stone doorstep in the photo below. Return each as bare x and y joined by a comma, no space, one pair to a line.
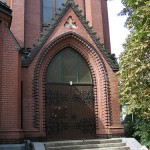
106,144
90,146
130,142
112,148
81,142
94,141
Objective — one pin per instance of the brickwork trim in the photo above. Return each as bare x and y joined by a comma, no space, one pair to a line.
40,71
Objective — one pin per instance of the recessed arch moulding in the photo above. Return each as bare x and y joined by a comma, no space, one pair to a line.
106,123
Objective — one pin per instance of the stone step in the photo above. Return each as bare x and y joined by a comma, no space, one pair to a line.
111,148
81,142
94,144
87,146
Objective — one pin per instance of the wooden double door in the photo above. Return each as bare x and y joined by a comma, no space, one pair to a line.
69,112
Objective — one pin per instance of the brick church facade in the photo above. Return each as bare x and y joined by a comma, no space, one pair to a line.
57,73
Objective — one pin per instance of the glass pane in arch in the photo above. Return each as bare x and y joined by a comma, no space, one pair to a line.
68,65
84,75
70,70
54,71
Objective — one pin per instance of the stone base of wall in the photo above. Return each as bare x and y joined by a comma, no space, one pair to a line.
11,136
112,132
12,147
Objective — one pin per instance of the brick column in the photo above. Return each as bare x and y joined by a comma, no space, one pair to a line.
10,110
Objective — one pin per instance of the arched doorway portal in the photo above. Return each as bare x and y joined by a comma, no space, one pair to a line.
69,98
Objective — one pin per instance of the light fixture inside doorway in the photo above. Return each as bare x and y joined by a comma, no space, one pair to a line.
71,82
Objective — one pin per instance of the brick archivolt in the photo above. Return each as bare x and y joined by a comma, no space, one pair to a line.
98,71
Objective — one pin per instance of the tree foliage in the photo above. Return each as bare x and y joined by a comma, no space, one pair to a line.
142,128
135,66
135,60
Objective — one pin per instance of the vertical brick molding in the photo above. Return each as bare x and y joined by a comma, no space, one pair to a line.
81,5
105,25
1,55
97,20
33,13
17,26
97,15
88,11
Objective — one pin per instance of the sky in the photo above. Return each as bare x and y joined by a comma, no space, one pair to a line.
118,32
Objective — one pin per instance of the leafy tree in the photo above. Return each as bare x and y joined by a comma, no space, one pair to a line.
135,62
142,128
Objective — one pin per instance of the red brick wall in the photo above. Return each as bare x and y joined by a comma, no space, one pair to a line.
105,25
114,97
33,14
27,98
10,112
10,67
17,26
88,12
97,21
81,5
96,13
1,54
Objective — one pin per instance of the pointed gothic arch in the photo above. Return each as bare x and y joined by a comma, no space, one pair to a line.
96,65
68,66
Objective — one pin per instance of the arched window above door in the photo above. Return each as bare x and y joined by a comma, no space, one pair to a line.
68,66
50,7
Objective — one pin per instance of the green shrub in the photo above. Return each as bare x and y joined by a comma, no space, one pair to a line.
142,130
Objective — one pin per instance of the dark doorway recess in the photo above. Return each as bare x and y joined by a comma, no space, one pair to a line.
69,98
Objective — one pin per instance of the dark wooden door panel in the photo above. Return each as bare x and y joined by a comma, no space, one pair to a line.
83,108
58,107
69,112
